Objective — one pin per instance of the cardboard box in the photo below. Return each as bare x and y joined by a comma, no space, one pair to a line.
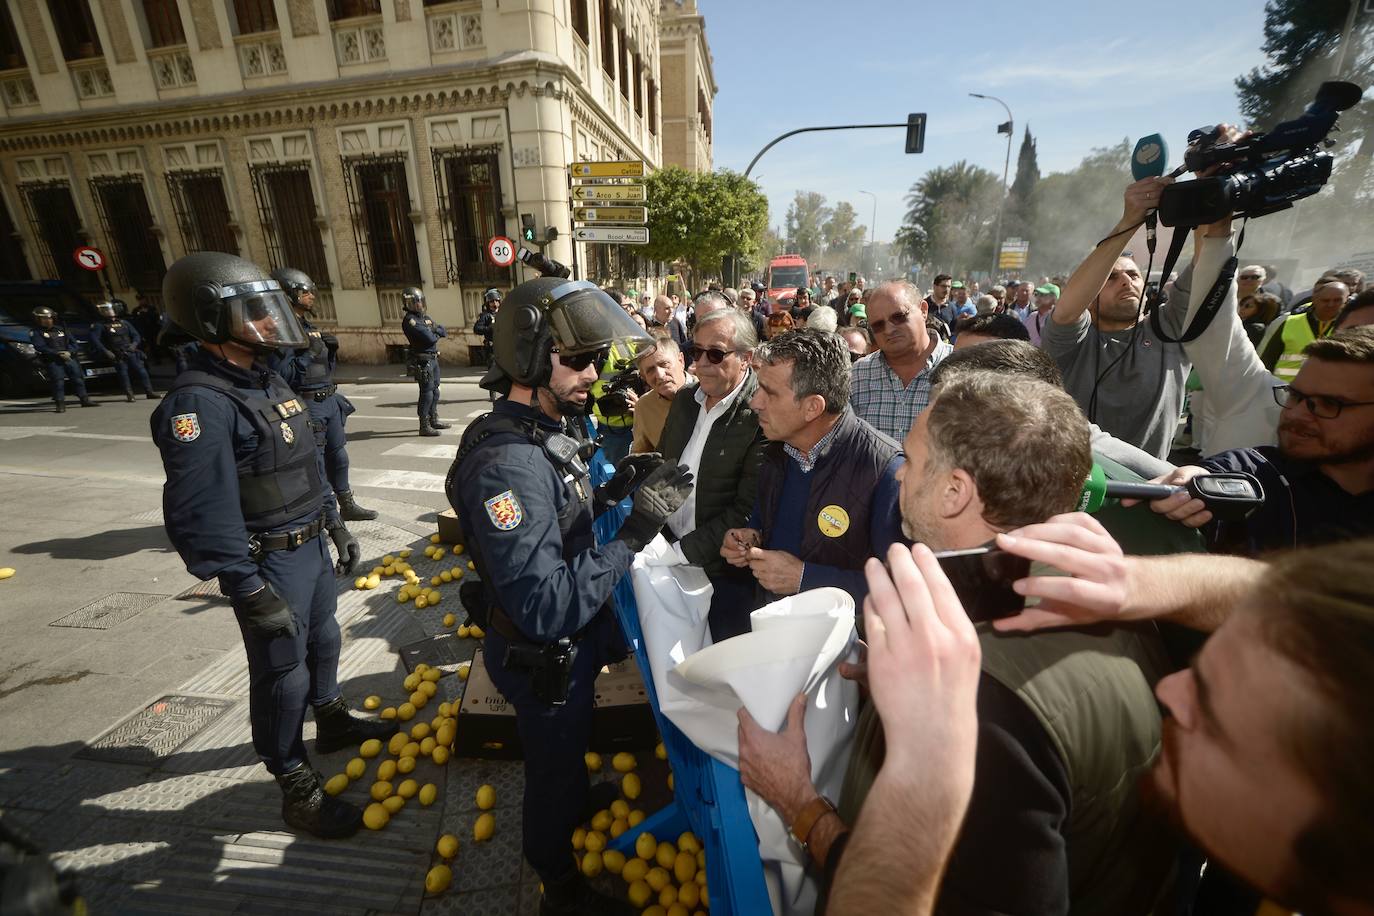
450,532
621,717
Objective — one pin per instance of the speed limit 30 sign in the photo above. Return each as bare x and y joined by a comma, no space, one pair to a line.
501,251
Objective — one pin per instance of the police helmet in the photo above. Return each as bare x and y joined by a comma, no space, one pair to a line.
573,315
105,309
44,312
491,295
413,299
295,283
217,297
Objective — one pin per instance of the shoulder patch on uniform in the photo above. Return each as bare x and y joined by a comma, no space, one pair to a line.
504,510
186,427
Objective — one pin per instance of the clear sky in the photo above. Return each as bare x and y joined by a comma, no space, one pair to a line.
1081,73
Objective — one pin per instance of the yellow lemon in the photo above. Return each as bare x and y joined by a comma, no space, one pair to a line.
428,792
405,765
381,789
619,826
689,895
386,769
435,580
421,603
375,817
684,867
477,632
372,702
666,854
6,572
388,713
614,861
405,554
593,761
434,596
592,864
419,732
646,845
471,566
630,786
408,789
636,817
601,820
619,808
355,768
360,582
427,746
668,896
449,620
486,798
639,893
405,712
429,689
447,847
464,670
393,803
457,572
397,742
464,631
658,879
484,827
596,840
445,735
670,782
445,709
440,755
374,581
660,751
688,842
412,681
434,539
370,748
579,839
431,675
446,576
701,864
376,571
411,749
389,570
336,784
438,879
623,762
635,869
418,699
388,560
402,597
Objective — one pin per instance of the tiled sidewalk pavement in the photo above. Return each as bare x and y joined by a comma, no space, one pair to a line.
181,818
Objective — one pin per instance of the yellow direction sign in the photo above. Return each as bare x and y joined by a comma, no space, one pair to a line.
609,192
610,214
633,169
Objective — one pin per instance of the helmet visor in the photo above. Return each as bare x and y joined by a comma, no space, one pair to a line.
259,315
585,318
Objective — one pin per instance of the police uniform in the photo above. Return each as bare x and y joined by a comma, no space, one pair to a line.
120,341
423,335
310,373
50,344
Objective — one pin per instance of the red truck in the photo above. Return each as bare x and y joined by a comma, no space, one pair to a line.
786,273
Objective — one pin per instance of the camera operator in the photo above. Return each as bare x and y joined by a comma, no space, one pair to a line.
1266,749
1126,379
665,372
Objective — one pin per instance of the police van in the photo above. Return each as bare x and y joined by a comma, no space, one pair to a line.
21,372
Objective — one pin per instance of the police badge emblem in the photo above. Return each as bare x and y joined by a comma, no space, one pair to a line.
504,511
186,427
288,435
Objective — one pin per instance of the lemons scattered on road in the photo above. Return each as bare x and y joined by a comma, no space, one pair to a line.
336,784
438,879
428,792
375,817
486,798
593,761
624,762
630,786
370,748
484,827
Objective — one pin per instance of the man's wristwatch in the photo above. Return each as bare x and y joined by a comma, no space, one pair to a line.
810,815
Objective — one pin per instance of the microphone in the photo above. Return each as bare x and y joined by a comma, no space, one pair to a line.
1149,160
1230,496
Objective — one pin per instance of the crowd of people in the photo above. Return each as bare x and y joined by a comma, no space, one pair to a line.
1177,716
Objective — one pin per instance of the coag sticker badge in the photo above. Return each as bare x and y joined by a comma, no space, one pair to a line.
288,434
186,427
504,511
833,521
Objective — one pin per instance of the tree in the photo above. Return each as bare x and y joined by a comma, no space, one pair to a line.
1020,200
699,218
844,239
806,220
950,217
1071,208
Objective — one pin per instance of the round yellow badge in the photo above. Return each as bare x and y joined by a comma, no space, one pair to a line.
833,521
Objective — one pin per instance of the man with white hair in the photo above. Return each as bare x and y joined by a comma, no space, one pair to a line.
823,318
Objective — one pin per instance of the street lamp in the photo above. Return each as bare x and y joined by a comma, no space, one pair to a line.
1006,168
871,225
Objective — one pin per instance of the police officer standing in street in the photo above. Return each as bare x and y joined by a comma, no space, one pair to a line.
524,498
310,373
245,501
423,334
55,347
485,324
119,341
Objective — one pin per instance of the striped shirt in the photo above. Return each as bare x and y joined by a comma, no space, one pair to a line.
878,396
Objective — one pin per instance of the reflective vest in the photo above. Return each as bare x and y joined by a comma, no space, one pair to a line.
1297,334
617,360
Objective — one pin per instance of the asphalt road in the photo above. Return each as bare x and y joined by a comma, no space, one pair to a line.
81,496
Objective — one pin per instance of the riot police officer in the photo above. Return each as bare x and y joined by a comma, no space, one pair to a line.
57,349
119,341
485,324
310,373
423,334
245,501
525,501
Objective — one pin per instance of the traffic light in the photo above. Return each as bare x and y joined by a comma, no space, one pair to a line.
527,226
550,233
916,132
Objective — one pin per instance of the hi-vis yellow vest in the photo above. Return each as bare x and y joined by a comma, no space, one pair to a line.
617,360
1297,334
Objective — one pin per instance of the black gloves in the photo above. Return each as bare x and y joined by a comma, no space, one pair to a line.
266,615
347,547
662,493
331,342
630,470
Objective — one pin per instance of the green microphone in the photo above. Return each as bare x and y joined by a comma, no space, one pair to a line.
1232,496
1094,490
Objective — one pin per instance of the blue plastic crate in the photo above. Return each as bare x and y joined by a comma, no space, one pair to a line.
708,797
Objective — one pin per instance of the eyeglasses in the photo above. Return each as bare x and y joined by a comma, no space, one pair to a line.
714,355
577,362
1250,276
1319,405
879,326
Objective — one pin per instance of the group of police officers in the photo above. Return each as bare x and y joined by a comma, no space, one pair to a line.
252,441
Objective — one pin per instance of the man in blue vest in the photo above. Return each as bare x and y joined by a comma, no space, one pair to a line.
119,341
246,502
827,491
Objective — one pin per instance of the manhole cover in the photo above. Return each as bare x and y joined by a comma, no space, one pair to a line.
207,590
438,652
109,611
155,732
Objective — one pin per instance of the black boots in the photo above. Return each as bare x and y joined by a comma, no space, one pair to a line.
152,395
129,395
434,421
336,727
350,511
87,402
426,429
61,407
305,806
573,896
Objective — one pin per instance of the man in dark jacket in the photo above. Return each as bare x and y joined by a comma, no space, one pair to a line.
712,429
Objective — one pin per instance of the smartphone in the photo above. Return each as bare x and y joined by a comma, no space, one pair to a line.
982,578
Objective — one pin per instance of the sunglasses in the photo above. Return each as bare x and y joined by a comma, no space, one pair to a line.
879,326
580,361
713,355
